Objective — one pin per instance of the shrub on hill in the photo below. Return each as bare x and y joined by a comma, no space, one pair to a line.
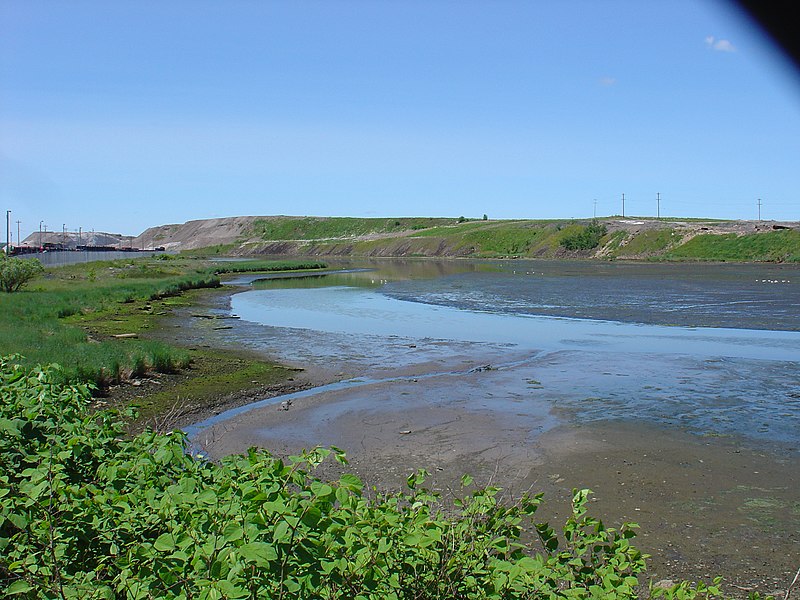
587,238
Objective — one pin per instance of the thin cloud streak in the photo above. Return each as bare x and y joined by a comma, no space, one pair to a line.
719,45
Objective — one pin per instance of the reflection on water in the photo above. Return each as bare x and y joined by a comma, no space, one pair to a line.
738,379
734,296
355,310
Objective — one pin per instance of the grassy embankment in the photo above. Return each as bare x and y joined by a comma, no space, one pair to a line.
316,228
420,236
778,246
71,316
549,239
682,240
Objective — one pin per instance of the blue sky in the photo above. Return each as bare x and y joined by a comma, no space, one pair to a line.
117,116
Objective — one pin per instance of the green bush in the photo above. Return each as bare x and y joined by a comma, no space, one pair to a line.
87,513
587,238
16,272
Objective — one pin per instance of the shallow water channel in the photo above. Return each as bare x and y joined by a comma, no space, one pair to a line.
566,341
516,369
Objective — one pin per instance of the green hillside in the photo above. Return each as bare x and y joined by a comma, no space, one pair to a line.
312,228
778,246
609,238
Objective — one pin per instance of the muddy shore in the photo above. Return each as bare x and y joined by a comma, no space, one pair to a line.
706,506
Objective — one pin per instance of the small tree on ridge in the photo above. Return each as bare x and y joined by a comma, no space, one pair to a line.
16,272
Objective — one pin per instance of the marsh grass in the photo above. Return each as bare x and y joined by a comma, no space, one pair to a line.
70,314
44,327
262,266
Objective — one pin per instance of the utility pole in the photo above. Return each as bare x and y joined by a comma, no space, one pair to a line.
80,231
594,214
63,236
8,232
658,205
19,239
623,206
759,209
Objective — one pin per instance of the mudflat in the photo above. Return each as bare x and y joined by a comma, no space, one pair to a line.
706,506
689,433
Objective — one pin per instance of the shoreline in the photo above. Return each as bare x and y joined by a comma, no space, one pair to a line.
272,377
698,499
706,506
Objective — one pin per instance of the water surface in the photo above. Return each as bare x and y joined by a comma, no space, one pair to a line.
587,341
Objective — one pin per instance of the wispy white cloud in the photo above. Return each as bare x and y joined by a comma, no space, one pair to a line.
719,45
608,81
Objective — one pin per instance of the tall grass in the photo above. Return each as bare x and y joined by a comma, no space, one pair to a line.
41,324
254,266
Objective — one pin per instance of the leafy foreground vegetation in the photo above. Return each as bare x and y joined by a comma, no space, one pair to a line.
87,513
71,314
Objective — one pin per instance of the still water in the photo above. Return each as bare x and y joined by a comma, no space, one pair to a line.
709,349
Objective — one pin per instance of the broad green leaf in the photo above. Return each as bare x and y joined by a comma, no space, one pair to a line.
164,543
281,532
259,553
19,521
18,587
342,495
351,482
232,532
321,489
